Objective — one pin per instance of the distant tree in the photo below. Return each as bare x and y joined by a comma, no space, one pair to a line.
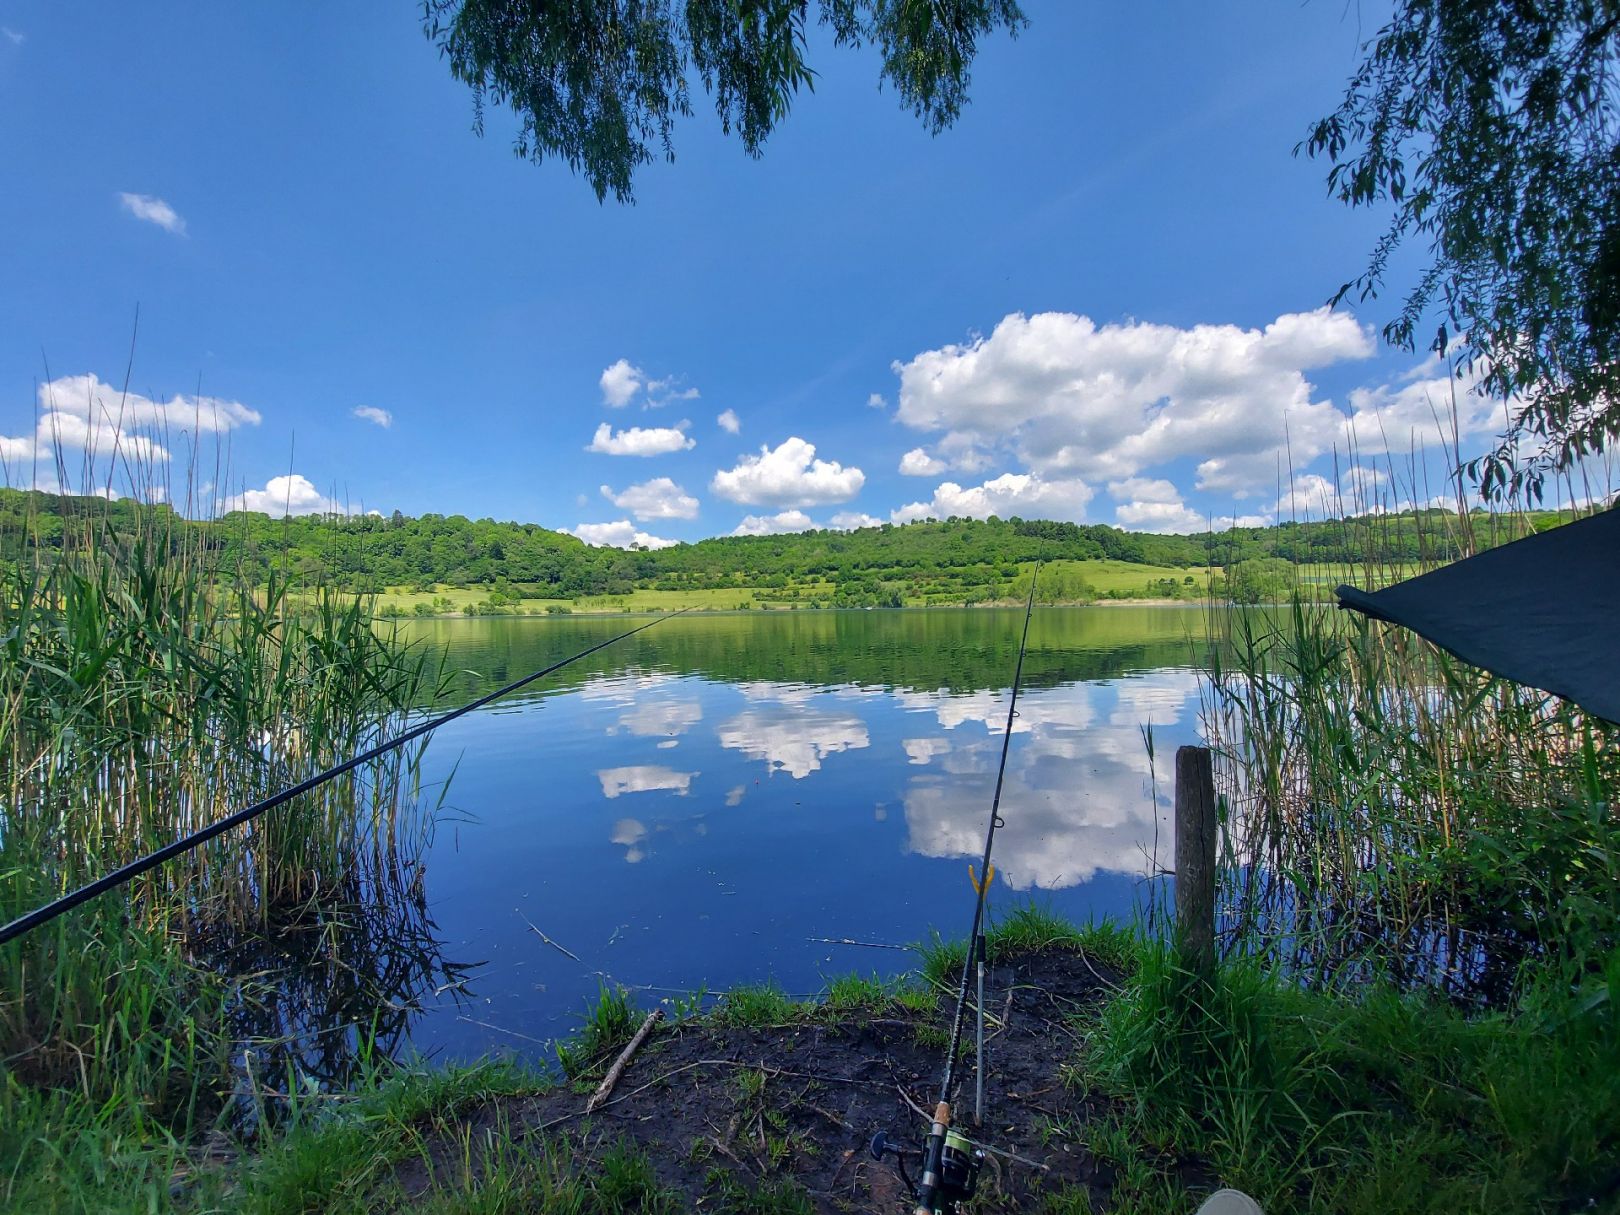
1489,129
600,83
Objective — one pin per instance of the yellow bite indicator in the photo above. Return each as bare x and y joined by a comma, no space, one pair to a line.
989,876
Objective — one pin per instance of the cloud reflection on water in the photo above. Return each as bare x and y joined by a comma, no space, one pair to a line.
794,737
644,778
1078,797
628,833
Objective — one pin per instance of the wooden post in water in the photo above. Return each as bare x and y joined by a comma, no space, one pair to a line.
1195,859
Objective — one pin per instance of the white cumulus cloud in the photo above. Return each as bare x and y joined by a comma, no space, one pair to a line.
641,441
80,413
88,397
1153,505
618,534
18,449
370,413
623,381
153,211
659,498
729,422
849,520
1359,490
620,383
1175,517
1069,396
918,463
775,525
1024,494
788,475
292,494
1416,412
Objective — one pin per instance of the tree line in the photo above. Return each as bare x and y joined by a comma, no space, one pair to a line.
950,560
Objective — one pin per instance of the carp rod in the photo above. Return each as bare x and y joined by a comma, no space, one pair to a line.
125,873
951,1164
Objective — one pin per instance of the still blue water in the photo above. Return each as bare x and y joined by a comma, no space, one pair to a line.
693,807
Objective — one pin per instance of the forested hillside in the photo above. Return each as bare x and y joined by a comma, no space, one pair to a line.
954,560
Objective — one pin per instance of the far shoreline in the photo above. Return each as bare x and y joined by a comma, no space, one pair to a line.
701,610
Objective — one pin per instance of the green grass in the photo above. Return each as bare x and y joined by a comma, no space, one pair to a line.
1390,1102
853,993
758,1005
610,1022
1028,927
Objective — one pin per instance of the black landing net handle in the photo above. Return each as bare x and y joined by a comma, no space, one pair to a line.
43,915
951,1163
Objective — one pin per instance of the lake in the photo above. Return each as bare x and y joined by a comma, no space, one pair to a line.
691,807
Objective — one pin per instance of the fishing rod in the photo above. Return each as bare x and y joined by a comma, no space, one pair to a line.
951,1163
47,913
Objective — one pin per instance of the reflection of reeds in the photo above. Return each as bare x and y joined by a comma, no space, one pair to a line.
144,692
1394,812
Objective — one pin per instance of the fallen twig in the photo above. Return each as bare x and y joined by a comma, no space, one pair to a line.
849,941
623,1061
548,940
501,1029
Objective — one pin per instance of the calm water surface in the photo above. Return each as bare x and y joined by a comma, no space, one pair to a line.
687,808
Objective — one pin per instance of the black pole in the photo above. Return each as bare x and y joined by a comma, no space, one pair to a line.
929,1183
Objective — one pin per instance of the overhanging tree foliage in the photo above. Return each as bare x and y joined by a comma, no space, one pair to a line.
1489,127
600,83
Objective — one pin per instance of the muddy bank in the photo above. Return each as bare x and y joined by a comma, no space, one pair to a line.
791,1108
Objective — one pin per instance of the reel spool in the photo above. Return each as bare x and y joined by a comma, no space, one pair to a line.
959,1165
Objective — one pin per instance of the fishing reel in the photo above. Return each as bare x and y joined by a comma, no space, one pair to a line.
957,1176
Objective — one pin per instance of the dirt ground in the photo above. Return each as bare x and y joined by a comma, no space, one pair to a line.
800,1103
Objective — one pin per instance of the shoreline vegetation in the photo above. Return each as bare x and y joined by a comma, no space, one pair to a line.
1117,1084
1417,1007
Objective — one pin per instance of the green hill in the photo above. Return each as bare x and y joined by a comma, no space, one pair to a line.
432,563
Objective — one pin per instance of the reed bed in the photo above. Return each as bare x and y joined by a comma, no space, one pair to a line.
144,692
1395,815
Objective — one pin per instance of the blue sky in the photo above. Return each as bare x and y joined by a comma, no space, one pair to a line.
1097,297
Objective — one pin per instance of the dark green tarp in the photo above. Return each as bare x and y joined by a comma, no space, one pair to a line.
1542,611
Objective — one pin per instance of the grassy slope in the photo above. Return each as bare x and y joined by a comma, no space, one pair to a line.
1105,577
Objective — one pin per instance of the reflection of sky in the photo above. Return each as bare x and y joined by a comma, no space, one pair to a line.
1078,796
731,871
643,778
792,736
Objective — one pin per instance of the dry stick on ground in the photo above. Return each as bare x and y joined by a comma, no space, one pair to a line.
546,939
623,1061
